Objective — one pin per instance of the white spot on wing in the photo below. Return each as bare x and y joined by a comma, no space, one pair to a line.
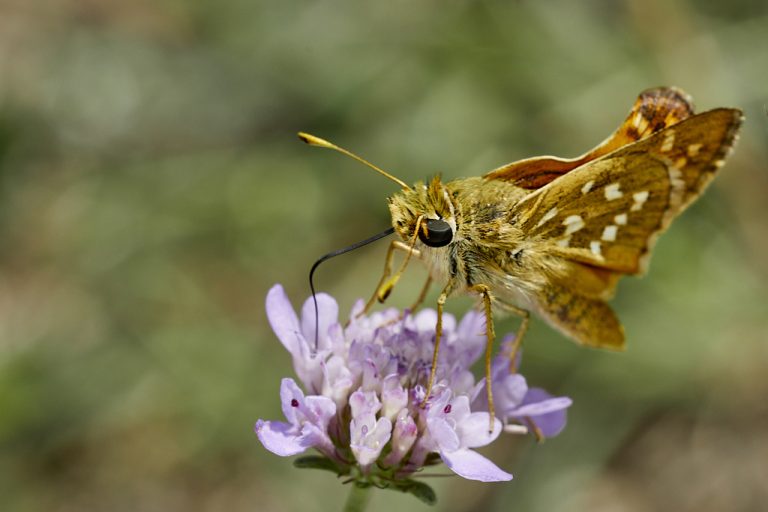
612,191
609,233
669,141
564,242
587,186
573,223
547,216
594,246
640,122
677,192
693,149
620,219
639,199
676,178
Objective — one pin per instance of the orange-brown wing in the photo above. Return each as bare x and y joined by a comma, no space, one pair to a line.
608,213
587,321
654,110
590,281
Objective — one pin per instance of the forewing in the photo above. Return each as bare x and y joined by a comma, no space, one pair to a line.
654,110
608,212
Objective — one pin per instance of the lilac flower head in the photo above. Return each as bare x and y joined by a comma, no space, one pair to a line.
365,409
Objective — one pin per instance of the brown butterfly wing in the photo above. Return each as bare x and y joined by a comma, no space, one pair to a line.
654,110
608,212
603,218
589,322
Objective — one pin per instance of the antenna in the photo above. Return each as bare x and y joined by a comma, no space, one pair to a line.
322,143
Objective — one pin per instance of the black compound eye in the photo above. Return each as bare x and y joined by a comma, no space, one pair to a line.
436,233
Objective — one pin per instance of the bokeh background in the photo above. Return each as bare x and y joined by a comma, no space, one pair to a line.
152,189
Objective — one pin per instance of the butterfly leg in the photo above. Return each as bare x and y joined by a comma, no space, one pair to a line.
514,350
525,315
384,288
438,335
422,295
490,333
535,429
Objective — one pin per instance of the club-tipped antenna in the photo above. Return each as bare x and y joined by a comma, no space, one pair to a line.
322,143
333,254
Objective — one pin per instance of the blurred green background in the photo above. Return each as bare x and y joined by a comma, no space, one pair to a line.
152,189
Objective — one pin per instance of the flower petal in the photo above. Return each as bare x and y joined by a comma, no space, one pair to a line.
337,380
358,308
509,392
283,319
549,423
393,396
328,314
320,410
368,437
500,365
425,320
544,407
316,437
291,398
443,434
473,430
364,403
280,438
473,466
471,333
404,434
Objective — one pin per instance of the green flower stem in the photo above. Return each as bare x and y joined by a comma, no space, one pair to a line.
358,498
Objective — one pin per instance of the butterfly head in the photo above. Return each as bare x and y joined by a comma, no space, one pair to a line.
425,211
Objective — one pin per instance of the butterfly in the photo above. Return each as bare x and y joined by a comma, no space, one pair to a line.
553,236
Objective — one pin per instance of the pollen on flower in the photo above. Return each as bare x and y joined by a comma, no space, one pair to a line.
365,409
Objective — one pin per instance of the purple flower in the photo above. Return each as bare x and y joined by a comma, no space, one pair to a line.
530,408
366,409
453,430
368,435
307,425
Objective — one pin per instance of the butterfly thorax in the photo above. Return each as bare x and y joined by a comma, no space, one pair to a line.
487,245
